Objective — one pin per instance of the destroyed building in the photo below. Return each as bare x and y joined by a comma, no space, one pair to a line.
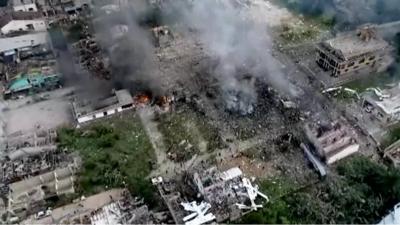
217,189
91,109
28,196
225,196
162,36
31,154
359,50
383,104
92,58
115,206
333,141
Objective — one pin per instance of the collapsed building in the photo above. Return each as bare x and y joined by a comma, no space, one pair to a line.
28,196
358,50
91,109
92,58
115,206
223,196
383,104
333,141
31,154
162,36
33,170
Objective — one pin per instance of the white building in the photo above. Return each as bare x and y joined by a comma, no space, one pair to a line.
384,104
87,110
23,41
24,6
22,21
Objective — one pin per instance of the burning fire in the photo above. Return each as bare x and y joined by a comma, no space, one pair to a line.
142,99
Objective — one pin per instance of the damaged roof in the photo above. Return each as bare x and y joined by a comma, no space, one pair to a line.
351,44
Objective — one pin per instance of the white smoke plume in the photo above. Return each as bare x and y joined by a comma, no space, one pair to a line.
239,44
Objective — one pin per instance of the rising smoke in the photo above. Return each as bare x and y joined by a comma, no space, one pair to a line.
240,46
128,45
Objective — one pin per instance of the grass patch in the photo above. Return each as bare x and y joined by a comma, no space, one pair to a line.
375,80
363,192
392,136
185,132
115,153
304,29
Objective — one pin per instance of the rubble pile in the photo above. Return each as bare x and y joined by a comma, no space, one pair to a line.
91,58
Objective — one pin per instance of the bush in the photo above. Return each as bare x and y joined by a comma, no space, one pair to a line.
363,193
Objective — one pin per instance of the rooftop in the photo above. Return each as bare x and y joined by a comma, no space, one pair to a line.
85,206
332,141
6,17
389,101
18,42
22,2
355,43
118,98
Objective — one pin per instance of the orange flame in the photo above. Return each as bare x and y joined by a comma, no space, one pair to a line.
142,99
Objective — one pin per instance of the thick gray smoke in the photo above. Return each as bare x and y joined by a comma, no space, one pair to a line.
240,46
128,45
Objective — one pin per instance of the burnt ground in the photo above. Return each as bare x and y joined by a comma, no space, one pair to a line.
253,142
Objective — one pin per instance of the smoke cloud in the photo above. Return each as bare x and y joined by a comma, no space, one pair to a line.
128,45
241,47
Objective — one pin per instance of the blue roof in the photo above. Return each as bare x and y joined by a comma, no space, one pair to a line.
19,84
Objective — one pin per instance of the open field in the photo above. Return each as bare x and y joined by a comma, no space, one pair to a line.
116,152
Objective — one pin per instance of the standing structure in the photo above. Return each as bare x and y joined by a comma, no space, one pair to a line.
332,142
383,104
354,51
88,110
24,6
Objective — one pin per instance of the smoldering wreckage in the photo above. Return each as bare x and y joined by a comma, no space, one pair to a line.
214,60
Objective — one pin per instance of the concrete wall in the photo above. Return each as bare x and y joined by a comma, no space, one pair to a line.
100,114
374,61
26,8
18,25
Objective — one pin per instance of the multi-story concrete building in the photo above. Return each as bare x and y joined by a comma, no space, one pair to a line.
355,51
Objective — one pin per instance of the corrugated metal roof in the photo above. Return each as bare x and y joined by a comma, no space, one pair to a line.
19,84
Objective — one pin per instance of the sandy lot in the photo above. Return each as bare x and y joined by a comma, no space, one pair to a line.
26,114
